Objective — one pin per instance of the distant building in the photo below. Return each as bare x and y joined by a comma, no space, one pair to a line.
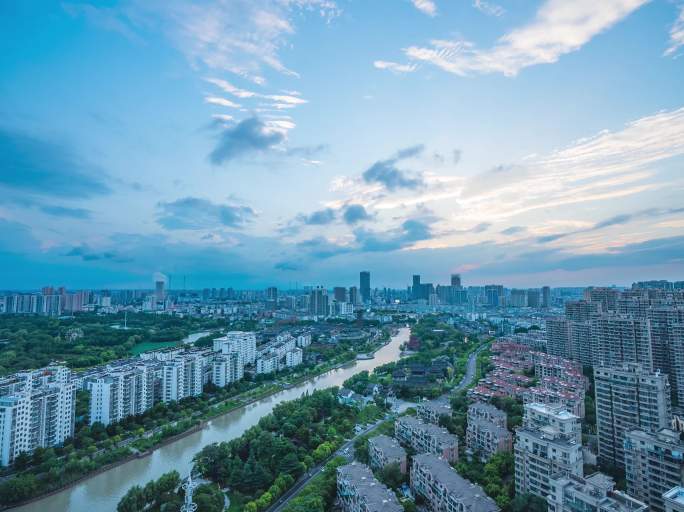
318,301
364,286
359,491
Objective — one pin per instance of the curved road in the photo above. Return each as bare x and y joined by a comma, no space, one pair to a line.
346,449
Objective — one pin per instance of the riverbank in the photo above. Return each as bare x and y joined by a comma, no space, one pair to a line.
237,405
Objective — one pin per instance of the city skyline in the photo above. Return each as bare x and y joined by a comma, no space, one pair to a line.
260,143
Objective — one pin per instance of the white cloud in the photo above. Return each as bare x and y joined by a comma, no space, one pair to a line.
217,100
393,66
488,8
560,27
230,88
426,6
676,33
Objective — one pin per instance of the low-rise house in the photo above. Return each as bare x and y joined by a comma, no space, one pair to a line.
426,437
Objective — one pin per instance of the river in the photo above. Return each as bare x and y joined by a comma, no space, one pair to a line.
102,492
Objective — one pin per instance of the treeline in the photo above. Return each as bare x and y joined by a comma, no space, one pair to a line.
85,340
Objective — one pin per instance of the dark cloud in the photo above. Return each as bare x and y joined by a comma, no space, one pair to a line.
63,211
321,248
197,213
318,218
248,136
47,168
410,231
355,213
513,230
86,254
386,173
287,266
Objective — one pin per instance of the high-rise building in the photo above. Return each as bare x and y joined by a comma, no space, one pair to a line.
340,294
654,464
533,298
548,443
494,295
241,342
456,280
674,499
628,397
621,339
226,369
546,297
272,293
518,298
121,392
581,310
415,287
364,286
37,409
318,301
354,295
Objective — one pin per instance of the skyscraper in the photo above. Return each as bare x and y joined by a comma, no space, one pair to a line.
364,286
340,294
546,297
456,280
318,301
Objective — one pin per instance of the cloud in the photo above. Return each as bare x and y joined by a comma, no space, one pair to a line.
223,102
488,8
559,28
385,172
86,254
63,211
287,266
249,136
318,218
425,6
106,18
197,213
410,231
42,167
355,213
481,227
676,34
616,220
321,248
513,230
395,66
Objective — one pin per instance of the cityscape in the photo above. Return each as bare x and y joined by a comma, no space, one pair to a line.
342,256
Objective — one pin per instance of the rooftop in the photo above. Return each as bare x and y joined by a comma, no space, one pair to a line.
376,495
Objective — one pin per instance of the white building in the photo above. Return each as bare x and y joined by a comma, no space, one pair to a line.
294,357
121,392
226,369
304,340
267,364
244,343
37,409
548,443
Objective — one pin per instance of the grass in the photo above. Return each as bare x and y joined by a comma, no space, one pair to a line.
146,346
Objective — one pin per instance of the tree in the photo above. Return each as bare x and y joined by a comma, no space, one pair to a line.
392,476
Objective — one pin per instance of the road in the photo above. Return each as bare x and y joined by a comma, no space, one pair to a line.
281,503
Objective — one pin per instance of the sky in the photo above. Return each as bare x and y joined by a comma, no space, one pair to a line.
250,143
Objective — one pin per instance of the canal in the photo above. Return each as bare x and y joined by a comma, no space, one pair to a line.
101,493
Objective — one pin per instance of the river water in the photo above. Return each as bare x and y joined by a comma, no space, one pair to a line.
102,492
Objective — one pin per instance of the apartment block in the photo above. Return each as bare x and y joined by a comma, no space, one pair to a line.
384,450
595,493
487,412
121,391
37,409
244,343
226,369
674,499
548,443
431,410
359,491
426,437
486,439
628,397
444,489
621,339
654,464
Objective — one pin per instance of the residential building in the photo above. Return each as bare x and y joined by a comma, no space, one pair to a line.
621,339
549,442
487,412
426,437
444,489
364,286
674,499
226,369
485,438
244,343
37,409
628,397
431,410
120,392
384,450
595,493
654,464
359,491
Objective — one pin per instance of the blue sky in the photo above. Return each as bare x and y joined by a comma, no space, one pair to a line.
255,142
